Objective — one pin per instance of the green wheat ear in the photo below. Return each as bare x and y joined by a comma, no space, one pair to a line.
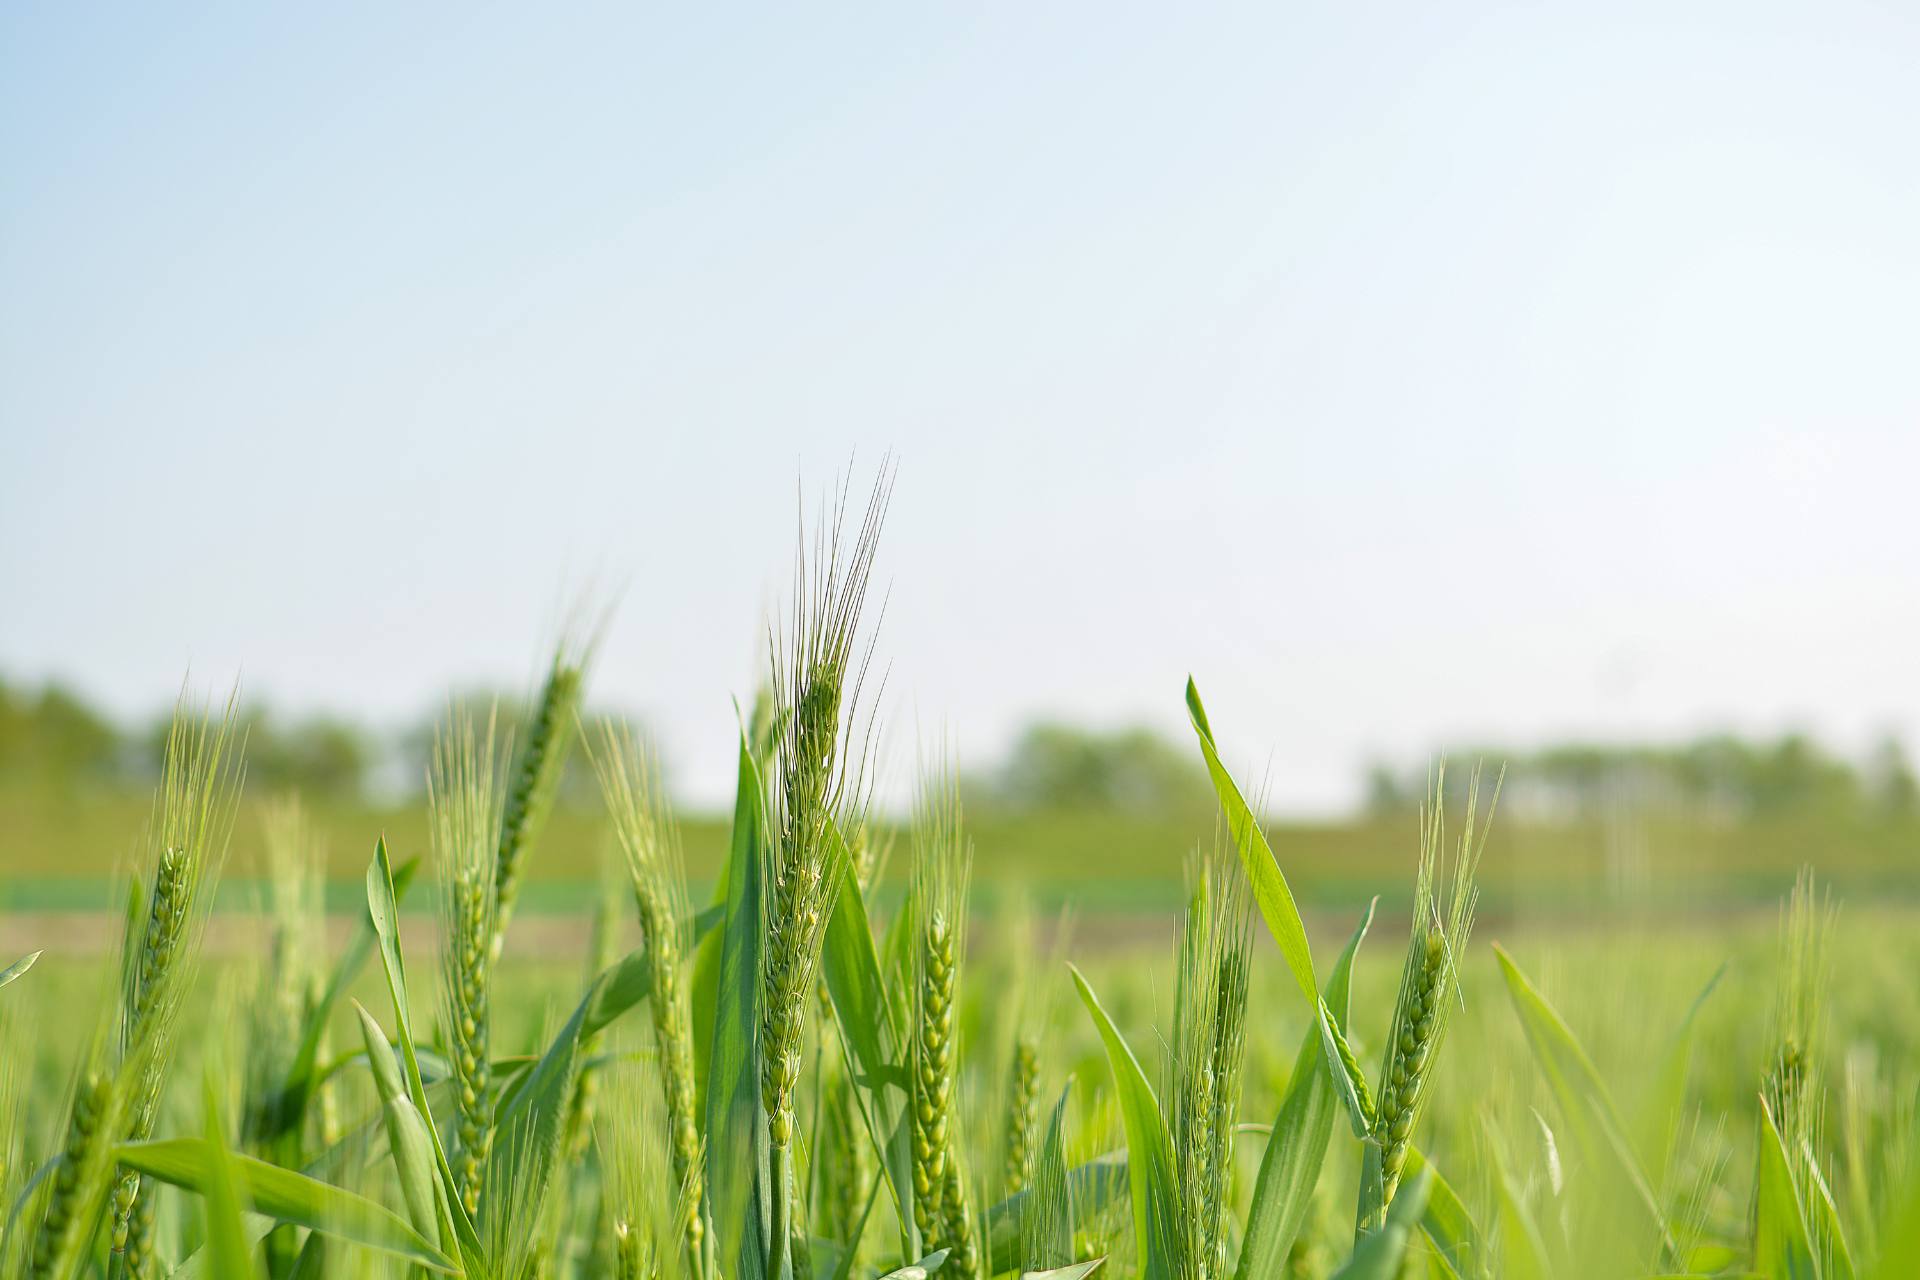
942,867
1208,1052
464,806
1793,1082
816,681
1445,895
187,838
535,776
1023,1113
84,1167
649,839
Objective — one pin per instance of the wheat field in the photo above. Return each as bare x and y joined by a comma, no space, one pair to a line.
795,1078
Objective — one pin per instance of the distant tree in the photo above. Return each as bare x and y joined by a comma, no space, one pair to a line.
13,729
55,733
317,755
1057,766
1890,780
1387,795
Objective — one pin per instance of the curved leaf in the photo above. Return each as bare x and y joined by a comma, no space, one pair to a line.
868,1030
739,1162
1149,1149
1091,1187
17,968
1781,1248
285,1196
1447,1223
919,1270
1270,889
1378,1254
1586,1107
1297,1147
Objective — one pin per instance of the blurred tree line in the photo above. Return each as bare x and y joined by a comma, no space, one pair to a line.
1061,766
51,734
1719,776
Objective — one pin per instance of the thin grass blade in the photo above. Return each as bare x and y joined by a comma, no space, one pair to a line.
1149,1149
1781,1247
1270,889
1297,1147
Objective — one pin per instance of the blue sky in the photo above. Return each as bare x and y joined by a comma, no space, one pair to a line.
1404,372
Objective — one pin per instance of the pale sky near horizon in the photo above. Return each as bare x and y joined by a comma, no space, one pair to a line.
1407,373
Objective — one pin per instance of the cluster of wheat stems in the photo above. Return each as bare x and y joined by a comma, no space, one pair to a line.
786,1082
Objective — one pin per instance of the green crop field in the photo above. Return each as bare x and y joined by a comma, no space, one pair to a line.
510,1033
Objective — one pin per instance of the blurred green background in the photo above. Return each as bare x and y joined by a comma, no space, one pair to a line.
1098,820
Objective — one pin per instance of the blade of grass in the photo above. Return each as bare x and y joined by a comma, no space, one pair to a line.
1447,1223
1665,1104
919,1270
197,1164
1297,1147
1823,1220
1523,1250
738,1156
1781,1248
303,1077
1379,1254
1149,1149
228,1247
17,968
1586,1107
383,912
1091,1187
869,1031
1270,889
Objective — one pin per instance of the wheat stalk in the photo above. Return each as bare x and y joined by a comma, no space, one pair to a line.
815,682
648,837
1443,906
646,1212
192,820
1023,1113
536,774
1208,1050
942,865
463,799
80,1180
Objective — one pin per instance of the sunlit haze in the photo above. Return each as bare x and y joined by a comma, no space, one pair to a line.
1408,374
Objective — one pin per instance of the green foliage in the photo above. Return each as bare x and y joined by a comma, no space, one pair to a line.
818,1077
1053,766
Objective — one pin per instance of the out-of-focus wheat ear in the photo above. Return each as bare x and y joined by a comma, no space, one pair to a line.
1446,892
534,778
187,839
73,1199
1793,1083
1793,1088
601,952
649,838
1208,1048
646,1215
1023,1113
56,1248
464,810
